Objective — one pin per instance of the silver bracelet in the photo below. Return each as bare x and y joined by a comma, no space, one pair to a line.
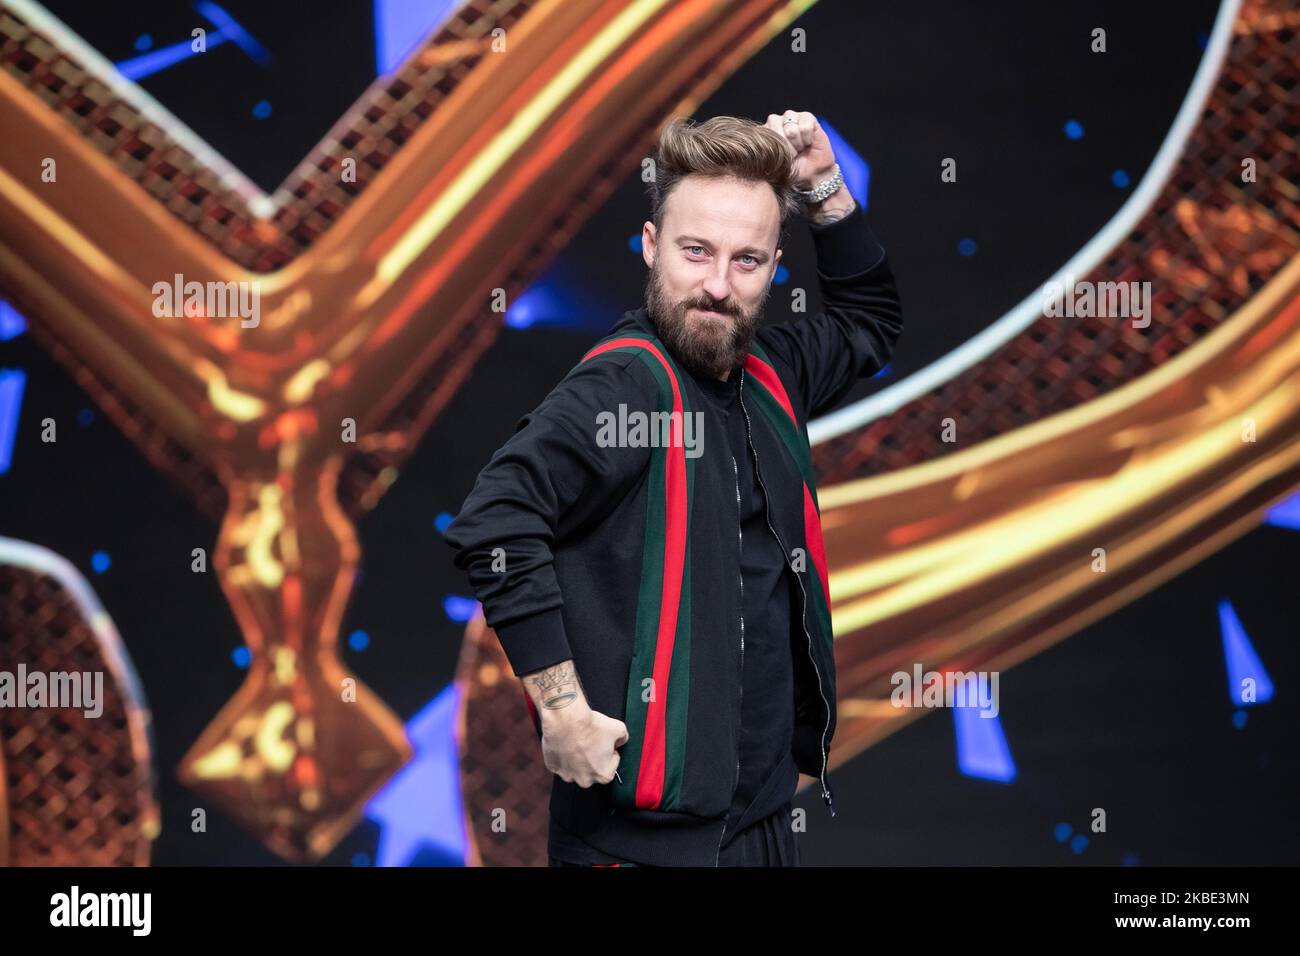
822,190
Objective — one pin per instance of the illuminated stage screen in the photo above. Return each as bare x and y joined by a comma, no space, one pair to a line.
1077,475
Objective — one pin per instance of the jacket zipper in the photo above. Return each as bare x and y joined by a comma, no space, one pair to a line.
740,554
827,795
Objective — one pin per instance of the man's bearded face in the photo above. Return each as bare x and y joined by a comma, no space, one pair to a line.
707,345
710,270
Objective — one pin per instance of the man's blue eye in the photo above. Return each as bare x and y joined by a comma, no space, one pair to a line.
700,252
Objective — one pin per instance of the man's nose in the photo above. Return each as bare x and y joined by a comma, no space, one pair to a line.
718,287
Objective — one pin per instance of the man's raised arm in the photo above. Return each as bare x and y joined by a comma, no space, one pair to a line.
854,336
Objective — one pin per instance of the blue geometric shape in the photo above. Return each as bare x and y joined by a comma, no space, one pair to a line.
143,42
966,247
358,640
884,370
400,25
1286,513
261,109
459,609
1062,832
228,30
855,169
1241,661
85,416
1239,718
546,303
242,657
430,854
529,306
782,275
1120,179
443,521
1079,843
982,750
12,381
420,809
138,67
1074,129
231,29
634,243
100,562
12,324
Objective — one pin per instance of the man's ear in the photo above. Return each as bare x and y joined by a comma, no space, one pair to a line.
648,243
776,260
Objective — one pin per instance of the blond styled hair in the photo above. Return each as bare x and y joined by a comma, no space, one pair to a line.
723,147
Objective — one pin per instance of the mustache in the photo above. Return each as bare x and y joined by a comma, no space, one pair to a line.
713,307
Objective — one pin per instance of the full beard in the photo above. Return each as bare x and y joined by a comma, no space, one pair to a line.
707,348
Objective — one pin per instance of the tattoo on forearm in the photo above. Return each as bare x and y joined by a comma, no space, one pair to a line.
557,686
833,215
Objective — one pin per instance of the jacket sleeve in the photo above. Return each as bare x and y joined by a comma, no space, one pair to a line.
855,335
550,477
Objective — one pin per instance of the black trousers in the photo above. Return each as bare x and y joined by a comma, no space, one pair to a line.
769,842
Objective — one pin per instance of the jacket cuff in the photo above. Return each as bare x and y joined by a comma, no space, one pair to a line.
534,642
847,246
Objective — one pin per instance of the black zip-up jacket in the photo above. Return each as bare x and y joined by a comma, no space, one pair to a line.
585,539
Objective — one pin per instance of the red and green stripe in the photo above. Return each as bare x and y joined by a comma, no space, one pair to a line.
772,399
653,759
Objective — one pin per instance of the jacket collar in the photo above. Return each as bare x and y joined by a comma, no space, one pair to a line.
635,318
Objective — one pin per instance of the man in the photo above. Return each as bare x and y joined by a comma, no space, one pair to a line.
647,545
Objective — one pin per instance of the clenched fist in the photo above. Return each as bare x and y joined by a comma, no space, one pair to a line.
580,744
810,147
